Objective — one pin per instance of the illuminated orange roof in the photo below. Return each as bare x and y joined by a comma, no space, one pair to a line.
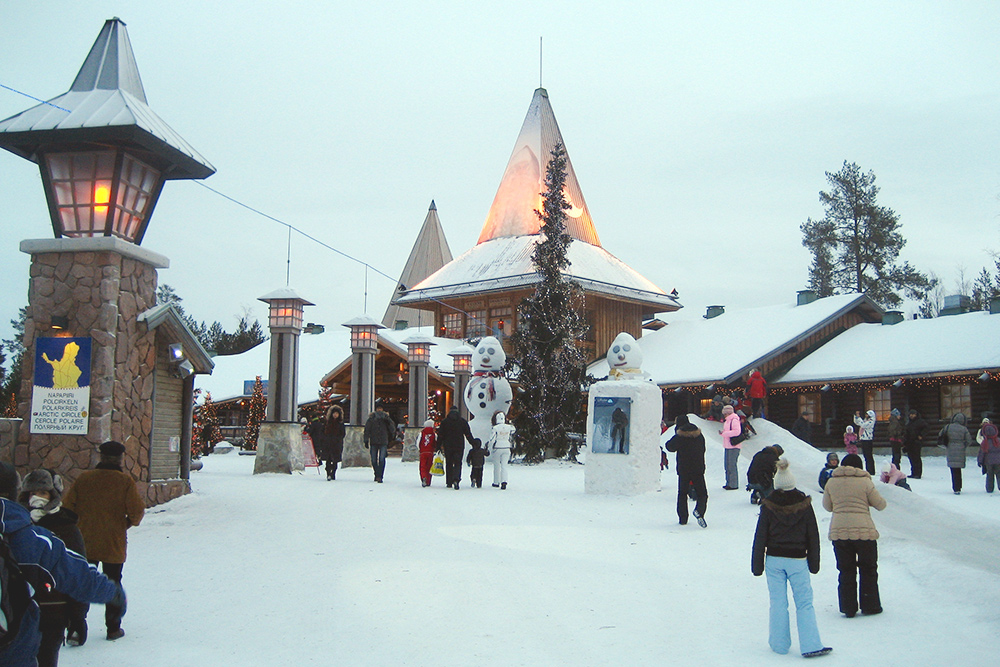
517,198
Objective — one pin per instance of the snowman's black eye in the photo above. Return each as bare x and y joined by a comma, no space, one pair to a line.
615,349
626,348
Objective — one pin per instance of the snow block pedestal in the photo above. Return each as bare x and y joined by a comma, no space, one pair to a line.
623,437
279,448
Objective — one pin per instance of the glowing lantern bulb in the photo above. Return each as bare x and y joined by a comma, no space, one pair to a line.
102,195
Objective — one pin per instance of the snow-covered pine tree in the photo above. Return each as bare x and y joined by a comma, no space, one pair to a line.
255,415
551,368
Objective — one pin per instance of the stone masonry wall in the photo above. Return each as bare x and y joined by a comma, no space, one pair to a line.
101,293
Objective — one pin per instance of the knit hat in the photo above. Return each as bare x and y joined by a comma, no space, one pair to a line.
784,480
682,420
112,448
852,460
849,429
43,480
10,481
428,423
895,412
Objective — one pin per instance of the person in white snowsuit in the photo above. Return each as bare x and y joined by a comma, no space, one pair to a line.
866,433
499,446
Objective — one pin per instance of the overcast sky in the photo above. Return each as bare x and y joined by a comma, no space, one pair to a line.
699,132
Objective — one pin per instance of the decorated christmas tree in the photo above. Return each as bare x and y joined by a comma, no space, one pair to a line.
255,415
208,432
551,368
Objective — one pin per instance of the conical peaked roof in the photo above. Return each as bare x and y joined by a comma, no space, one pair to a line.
430,252
513,210
106,104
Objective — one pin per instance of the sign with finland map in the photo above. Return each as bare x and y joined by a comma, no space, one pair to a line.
60,398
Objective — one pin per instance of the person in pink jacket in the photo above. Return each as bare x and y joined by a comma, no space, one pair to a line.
890,474
732,436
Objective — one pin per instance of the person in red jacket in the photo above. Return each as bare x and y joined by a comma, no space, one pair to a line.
757,388
428,445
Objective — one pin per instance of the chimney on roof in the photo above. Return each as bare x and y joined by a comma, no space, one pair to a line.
714,311
805,296
994,305
891,317
955,304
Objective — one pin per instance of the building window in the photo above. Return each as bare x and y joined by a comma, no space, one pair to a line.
476,326
809,406
451,325
955,398
401,324
880,401
501,322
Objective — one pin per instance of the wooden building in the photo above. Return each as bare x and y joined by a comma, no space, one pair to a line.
478,293
938,366
696,358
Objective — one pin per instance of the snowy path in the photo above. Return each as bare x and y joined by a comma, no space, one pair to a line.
294,570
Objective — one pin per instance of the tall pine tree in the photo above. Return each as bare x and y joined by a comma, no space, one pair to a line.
551,368
856,245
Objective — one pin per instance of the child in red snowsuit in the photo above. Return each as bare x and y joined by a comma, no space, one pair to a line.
428,445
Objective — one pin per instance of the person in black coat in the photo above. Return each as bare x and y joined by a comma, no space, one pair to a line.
476,460
760,474
450,436
802,429
41,494
689,443
913,440
786,548
334,433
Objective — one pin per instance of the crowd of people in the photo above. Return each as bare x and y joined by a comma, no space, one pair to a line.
446,441
52,544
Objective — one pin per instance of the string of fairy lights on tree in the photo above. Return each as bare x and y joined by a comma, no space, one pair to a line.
255,415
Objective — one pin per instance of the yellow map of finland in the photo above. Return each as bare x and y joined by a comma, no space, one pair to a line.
65,373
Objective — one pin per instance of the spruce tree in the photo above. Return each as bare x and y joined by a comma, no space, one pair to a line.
255,415
551,368
856,245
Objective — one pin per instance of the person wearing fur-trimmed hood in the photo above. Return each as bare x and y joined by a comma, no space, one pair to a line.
41,495
689,443
786,549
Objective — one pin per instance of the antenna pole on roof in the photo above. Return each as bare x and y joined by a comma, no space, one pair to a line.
539,61
288,265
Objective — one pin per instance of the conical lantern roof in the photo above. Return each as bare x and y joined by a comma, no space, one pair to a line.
105,105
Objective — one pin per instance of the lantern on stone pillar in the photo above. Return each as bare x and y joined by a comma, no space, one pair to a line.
418,354
364,346
285,310
462,367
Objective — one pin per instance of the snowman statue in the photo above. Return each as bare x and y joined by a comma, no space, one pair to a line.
488,392
623,425
625,359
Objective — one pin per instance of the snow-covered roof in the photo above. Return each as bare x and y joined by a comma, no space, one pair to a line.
517,198
505,263
940,345
724,347
106,98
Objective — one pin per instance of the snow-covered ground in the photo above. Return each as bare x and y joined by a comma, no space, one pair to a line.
295,570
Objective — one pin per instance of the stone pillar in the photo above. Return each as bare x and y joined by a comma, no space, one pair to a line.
100,285
417,413
283,380
461,384
8,438
279,448
362,386
411,442
355,455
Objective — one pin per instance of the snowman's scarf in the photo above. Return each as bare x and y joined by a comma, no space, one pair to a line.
626,373
491,391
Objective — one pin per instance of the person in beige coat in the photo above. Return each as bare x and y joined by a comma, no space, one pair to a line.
849,494
108,504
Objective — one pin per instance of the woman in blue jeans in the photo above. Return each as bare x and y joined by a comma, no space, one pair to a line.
786,549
